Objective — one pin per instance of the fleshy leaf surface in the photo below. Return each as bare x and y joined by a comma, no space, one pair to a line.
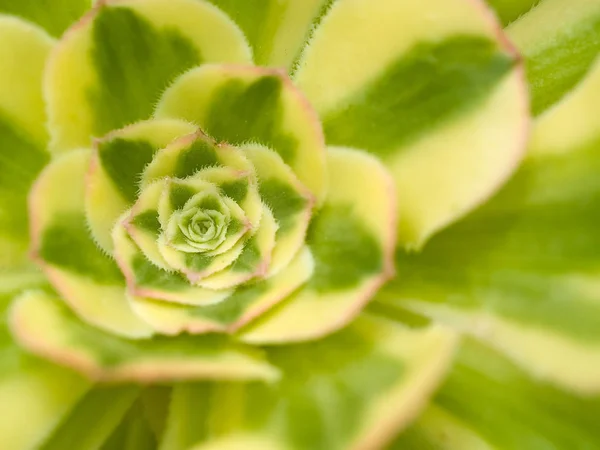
288,200
89,280
488,403
45,326
559,42
111,68
243,305
522,272
147,280
255,260
441,96
240,105
175,247
23,137
276,30
136,431
353,389
441,103
510,10
116,168
36,394
352,239
55,16
93,418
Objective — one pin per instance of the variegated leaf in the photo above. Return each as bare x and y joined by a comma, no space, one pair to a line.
55,16
110,69
23,136
433,89
559,40
353,389
488,403
522,272
45,326
352,239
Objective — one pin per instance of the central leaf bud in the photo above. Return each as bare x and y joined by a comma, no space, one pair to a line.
201,225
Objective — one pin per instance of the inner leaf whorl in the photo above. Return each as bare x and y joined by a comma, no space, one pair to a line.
201,225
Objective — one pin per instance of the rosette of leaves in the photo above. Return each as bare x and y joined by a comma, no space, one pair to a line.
299,224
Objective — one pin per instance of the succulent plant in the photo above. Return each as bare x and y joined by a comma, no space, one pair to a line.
300,224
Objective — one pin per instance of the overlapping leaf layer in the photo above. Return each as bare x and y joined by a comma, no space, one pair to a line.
265,224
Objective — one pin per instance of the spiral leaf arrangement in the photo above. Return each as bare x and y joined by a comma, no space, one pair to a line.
299,224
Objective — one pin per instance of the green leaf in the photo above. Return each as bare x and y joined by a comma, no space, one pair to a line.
110,70
442,95
276,30
133,433
489,403
431,84
174,248
93,419
89,280
522,271
55,16
45,326
352,239
15,281
437,429
240,307
255,260
203,160
147,280
510,10
288,200
241,105
352,389
154,404
559,41
36,395
23,136
116,169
